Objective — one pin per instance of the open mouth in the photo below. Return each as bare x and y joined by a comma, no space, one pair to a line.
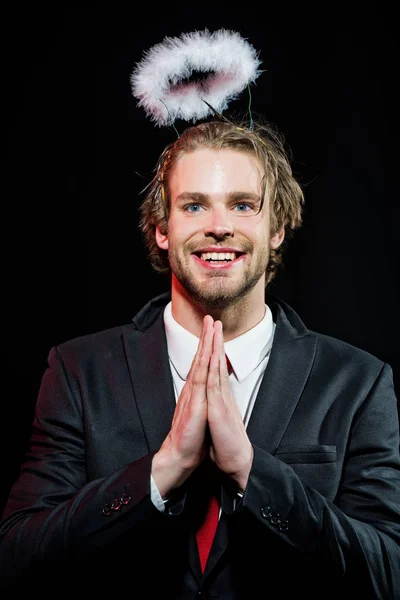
218,257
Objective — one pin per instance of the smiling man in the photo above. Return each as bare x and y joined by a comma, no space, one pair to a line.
216,447
218,238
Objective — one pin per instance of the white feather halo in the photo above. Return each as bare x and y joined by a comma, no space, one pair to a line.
160,80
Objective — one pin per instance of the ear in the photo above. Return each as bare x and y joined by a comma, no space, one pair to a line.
277,239
161,239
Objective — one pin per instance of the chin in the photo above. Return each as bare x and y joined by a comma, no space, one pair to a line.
224,296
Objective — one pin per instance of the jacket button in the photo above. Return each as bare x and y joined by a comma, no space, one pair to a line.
266,512
116,505
283,525
274,518
107,510
126,499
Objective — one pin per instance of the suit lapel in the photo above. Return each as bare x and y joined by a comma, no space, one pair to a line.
148,363
288,368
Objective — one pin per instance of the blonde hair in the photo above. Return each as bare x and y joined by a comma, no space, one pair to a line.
262,141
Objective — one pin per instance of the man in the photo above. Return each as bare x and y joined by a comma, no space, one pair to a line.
216,395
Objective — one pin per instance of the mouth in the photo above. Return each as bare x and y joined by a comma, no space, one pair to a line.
218,258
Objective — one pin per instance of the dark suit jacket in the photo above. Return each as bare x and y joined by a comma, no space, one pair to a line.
320,513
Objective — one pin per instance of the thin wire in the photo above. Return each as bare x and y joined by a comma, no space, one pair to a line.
216,113
171,120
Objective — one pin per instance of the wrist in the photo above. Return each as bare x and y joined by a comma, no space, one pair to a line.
241,477
168,473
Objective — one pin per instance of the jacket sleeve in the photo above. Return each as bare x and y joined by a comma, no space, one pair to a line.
53,508
358,533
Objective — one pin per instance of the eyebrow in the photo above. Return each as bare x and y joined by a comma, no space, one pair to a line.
236,196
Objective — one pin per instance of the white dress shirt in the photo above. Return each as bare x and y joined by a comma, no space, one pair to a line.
247,353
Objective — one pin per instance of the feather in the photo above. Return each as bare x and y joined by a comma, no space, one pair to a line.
161,80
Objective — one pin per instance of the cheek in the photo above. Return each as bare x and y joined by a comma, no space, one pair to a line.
181,232
256,230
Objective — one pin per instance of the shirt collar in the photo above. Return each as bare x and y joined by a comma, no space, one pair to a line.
244,352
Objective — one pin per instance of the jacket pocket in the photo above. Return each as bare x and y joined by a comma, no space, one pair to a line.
306,453
315,464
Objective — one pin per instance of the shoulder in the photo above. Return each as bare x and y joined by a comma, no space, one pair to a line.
327,347
345,353
97,339
99,347
101,343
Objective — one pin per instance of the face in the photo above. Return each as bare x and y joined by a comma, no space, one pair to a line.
218,242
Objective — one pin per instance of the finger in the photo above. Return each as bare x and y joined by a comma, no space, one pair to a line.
213,380
213,377
185,395
218,386
219,348
193,394
207,323
201,366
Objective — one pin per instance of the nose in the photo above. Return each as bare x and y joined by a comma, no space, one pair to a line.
219,224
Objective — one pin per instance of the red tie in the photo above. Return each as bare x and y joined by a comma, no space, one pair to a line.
228,364
206,532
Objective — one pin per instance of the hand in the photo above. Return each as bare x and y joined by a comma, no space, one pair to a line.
184,448
231,449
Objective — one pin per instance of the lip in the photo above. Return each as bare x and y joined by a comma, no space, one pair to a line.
218,249
228,265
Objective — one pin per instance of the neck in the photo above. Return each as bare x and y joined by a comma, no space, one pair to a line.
237,317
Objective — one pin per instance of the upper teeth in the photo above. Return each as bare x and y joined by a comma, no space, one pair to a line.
218,256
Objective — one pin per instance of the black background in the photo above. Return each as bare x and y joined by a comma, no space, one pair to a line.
78,152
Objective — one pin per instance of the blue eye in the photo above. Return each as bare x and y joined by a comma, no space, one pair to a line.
242,207
193,207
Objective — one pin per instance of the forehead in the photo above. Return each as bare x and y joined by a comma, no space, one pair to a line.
210,171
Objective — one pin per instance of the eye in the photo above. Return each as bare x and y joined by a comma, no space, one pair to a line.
243,207
193,207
